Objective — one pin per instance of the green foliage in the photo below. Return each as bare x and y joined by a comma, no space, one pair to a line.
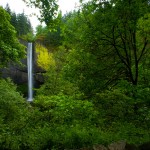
65,110
9,107
85,63
45,59
77,136
82,69
48,10
29,37
54,84
90,93
23,25
13,113
106,32
10,48
62,122
54,81
50,39
72,123
23,89
130,132
125,112
119,106
125,104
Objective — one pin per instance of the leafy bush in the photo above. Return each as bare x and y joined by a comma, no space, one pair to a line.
68,123
13,113
128,132
23,89
62,122
124,106
64,109
78,136
44,58
125,113
55,85
11,102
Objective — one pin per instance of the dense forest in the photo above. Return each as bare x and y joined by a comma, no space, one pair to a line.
96,70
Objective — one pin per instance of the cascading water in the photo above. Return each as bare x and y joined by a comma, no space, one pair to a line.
30,73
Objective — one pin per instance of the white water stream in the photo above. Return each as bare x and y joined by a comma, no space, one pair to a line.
30,72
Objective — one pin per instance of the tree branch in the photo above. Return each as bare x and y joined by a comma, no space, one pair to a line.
143,49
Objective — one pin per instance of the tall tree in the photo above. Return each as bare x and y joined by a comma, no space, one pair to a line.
124,36
23,24
20,22
7,8
10,48
109,42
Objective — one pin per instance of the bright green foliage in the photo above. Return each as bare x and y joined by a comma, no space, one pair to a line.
45,59
65,110
13,113
9,106
10,48
54,82
72,122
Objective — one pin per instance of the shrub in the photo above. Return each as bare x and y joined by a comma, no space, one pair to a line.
64,109
13,113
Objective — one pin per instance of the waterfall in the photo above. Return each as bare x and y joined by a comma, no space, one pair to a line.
30,72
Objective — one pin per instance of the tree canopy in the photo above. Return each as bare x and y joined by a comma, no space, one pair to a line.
10,48
20,22
107,31
94,79
48,10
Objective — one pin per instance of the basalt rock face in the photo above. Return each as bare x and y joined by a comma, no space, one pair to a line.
120,145
117,145
19,74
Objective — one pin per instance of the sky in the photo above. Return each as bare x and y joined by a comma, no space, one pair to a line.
18,6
